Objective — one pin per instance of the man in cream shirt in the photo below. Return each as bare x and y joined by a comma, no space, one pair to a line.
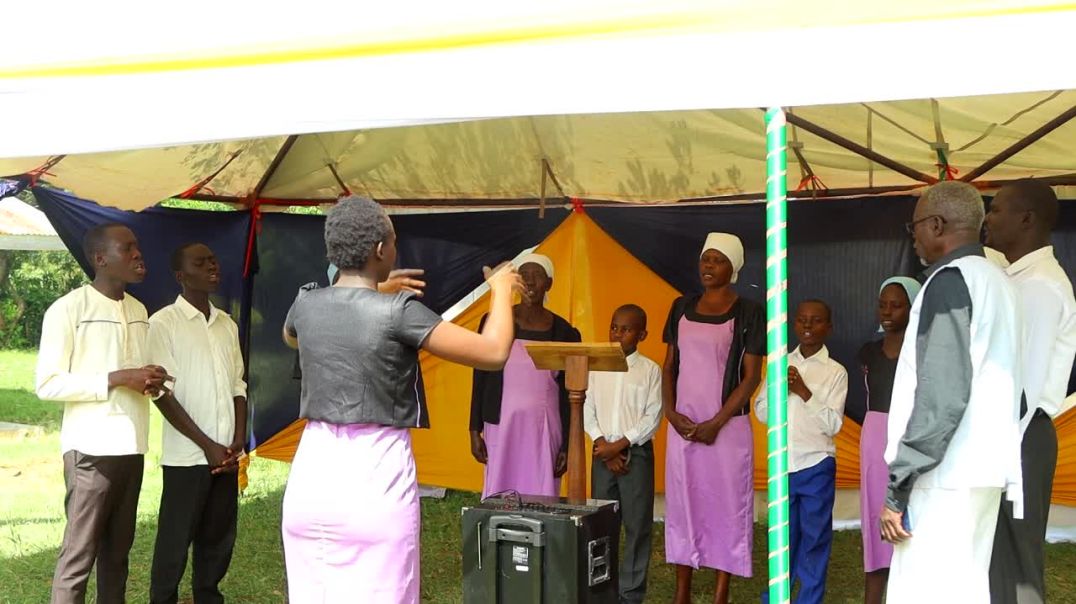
93,359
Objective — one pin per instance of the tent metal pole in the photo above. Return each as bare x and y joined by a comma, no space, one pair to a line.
859,149
271,170
777,356
1021,144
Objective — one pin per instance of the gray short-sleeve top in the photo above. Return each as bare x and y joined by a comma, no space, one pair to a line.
358,351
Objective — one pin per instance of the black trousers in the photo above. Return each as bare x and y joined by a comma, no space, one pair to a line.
101,505
199,509
635,492
1017,566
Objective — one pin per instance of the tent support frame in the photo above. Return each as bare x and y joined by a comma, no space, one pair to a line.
859,149
271,170
1021,144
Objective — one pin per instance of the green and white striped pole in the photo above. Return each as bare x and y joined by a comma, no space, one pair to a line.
777,356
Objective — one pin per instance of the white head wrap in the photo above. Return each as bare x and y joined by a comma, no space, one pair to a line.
730,246
540,260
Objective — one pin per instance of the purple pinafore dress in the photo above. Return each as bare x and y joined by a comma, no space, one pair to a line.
522,449
709,490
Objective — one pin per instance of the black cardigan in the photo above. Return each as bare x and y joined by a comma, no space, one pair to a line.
487,387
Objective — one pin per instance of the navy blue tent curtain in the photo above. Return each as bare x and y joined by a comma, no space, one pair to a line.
160,231
452,248
839,251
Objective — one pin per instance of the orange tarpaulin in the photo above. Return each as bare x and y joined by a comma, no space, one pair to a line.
595,275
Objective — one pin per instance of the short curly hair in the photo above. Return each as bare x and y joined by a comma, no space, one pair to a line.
353,228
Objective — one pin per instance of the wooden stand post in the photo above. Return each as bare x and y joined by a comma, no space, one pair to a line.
577,361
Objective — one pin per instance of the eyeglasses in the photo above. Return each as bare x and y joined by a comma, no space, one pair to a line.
910,226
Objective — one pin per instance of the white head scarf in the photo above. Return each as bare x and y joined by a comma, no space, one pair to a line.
911,289
540,260
730,246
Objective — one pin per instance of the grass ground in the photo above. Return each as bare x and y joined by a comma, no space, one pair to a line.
31,526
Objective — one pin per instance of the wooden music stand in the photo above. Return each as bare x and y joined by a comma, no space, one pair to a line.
577,361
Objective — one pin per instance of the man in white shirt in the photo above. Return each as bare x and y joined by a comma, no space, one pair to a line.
205,433
621,414
93,359
1019,223
953,444
817,389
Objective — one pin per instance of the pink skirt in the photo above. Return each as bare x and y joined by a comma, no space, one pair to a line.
351,516
873,481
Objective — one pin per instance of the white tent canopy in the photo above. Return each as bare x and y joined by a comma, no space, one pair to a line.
422,101
633,157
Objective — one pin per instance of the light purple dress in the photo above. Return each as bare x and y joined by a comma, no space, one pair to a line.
351,516
709,490
873,482
522,449
878,374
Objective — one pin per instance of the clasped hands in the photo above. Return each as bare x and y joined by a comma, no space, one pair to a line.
612,454
701,432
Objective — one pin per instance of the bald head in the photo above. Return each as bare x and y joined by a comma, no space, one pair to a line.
958,203
1021,217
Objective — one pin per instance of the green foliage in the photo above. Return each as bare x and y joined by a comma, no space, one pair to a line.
312,210
31,282
192,204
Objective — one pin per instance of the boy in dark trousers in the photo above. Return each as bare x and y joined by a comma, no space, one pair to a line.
621,414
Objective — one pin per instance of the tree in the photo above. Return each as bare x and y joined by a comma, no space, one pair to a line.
29,283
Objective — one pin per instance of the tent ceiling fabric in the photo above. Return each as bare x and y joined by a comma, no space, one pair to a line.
188,74
630,157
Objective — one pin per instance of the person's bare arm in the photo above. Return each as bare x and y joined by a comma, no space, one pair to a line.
403,280
680,422
290,339
489,349
751,377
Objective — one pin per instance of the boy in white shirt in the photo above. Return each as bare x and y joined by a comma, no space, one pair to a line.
621,414
817,388
204,435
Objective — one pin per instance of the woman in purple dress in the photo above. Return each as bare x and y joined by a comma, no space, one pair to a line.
519,416
878,359
351,512
716,341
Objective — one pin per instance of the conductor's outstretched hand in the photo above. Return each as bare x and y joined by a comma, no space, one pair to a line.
503,278
403,280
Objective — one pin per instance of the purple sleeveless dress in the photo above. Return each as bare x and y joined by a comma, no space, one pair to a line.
709,489
878,376
522,449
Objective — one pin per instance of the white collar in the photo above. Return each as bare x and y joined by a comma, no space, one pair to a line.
821,356
1029,260
190,312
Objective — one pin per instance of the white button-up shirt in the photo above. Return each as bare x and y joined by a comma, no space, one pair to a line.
812,424
624,404
86,335
205,359
1049,313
